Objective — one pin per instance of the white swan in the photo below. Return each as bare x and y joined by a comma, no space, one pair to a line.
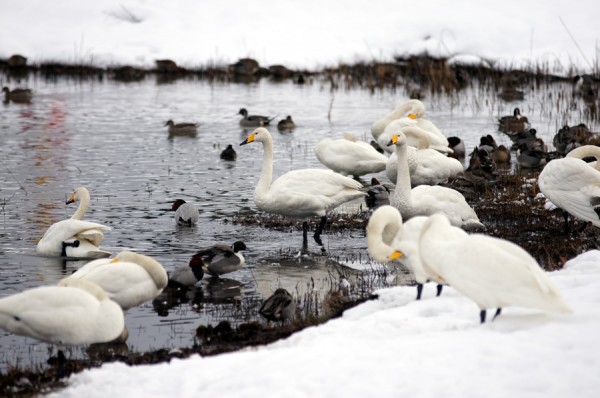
573,185
349,156
129,279
425,200
74,237
220,259
300,193
426,166
435,141
78,313
494,273
185,213
389,239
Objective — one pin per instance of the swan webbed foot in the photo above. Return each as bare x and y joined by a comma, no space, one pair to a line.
482,316
419,290
439,288
498,312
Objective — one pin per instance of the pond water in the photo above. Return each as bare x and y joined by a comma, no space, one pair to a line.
110,137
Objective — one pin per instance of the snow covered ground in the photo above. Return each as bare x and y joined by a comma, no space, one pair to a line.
301,33
397,347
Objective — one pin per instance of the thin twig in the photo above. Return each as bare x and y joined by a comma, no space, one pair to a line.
575,41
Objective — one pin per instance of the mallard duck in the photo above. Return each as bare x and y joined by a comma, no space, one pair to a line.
280,307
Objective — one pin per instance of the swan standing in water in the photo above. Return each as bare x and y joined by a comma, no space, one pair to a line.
129,279
425,200
573,185
494,273
389,239
426,166
74,237
349,156
77,313
300,193
185,213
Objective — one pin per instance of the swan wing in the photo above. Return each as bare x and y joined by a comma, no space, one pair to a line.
431,199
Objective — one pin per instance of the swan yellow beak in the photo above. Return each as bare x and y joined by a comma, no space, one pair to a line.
394,140
412,116
396,255
248,140
71,198
115,260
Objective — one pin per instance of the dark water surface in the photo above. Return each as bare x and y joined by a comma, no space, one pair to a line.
110,137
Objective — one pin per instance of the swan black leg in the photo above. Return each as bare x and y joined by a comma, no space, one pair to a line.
439,289
482,316
566,217
319,229
498,311
419,290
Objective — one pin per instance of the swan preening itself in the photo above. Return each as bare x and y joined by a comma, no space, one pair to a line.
220,259
79,312
129,279
494,273
349,156
300,193
573,185
74,237
389,239
185,213
425,200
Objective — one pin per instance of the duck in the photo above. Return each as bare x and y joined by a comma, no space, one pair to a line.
228,153
514,123
279,307
378,194
492,272
426,166
74,237
129,279
185,213
458,147
531,158
349,156
286,124
78,312
18,95
568,138
573,185
182,128
187,275
300,193
253,120
425,200
481,163
390,239
220,259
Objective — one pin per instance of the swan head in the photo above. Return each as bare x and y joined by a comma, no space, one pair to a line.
397,139
78,194
384,225
261,134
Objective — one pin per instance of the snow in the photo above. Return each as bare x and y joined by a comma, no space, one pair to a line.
393,346
302,33
396,346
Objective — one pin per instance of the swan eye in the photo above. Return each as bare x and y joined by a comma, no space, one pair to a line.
17,318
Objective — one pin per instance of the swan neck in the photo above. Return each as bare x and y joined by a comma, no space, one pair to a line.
84,203
586,151
403,188
266,175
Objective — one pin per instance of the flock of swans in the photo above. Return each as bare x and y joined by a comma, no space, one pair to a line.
435,242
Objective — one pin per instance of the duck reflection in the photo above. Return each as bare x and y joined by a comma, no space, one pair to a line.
223,291
174,297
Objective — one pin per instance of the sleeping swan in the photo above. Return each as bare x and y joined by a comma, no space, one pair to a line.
74,237
300,193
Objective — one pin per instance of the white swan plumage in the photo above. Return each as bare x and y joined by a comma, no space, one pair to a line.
300,193
425,200
573,185
78,313
493,272
74,237
426,166
349,156
389,239
129,279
